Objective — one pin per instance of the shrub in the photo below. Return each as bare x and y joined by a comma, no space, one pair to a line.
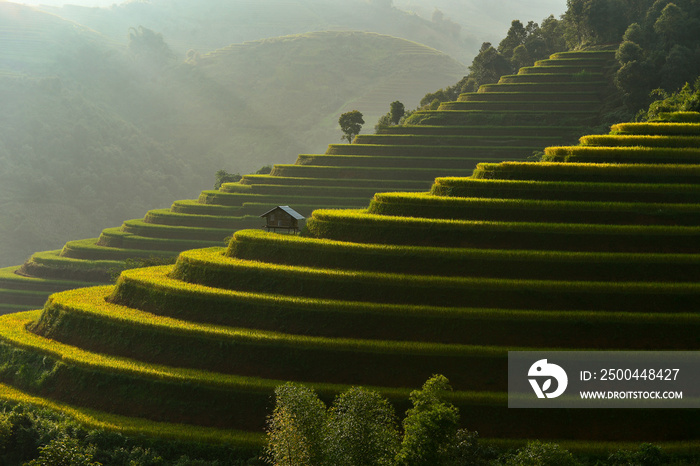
361,430
686,100
222,176
646,455
6,432
468,451
430,426
539,454
65,451
296,427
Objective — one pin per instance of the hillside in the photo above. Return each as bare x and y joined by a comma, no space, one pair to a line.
595,247
318,72
86,122
545,104
66,148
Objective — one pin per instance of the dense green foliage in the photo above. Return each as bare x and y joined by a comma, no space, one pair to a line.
34,436
222,176
430,426
522,46
659,50
657,53
686,99
396,112
296,427
359,429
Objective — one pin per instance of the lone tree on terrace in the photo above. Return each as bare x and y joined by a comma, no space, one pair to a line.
351,124
397,111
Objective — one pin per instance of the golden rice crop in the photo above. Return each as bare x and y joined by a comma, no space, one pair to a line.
630,140
361,216
427,199
13,331
655,128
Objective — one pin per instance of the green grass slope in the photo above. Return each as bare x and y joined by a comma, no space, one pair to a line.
388,295
435,143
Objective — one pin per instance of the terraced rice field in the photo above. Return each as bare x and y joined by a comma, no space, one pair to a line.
500,122
446,281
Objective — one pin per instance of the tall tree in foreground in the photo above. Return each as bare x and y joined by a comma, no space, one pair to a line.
296,427
430,427
361,430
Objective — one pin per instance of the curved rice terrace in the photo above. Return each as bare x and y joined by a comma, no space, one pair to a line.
522,255
505,121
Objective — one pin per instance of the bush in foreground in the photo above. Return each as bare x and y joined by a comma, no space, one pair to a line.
360,428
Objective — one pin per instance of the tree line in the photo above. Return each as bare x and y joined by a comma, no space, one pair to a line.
360,428
658,49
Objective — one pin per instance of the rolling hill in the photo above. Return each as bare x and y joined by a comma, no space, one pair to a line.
211,24
87,124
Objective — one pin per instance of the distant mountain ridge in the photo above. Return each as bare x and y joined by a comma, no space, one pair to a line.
207,25
485,20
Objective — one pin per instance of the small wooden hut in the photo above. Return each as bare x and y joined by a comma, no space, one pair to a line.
282,217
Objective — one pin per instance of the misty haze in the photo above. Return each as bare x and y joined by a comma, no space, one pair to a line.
349,232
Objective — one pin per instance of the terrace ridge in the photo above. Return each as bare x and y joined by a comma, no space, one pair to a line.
367,296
